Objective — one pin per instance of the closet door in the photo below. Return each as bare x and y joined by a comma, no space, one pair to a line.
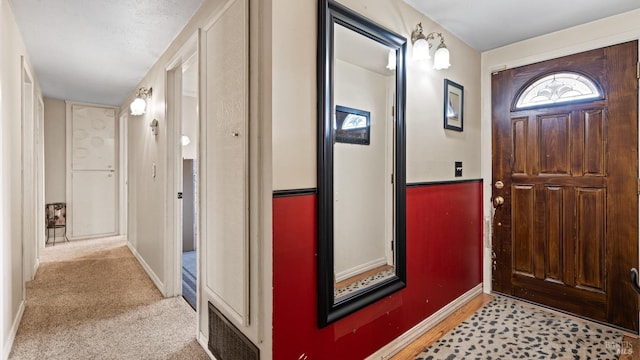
224,161
91,186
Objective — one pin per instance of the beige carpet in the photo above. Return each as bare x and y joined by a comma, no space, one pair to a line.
93,300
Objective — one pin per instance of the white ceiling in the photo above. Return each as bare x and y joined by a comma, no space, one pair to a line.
489,24
97,51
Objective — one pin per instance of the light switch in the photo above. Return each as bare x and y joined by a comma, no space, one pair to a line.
458,167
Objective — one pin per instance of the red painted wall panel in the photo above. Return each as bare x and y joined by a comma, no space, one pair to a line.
444,260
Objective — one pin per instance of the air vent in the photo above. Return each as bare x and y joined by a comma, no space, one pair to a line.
226,342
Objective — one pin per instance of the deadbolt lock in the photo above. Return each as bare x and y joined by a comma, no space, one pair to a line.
499,184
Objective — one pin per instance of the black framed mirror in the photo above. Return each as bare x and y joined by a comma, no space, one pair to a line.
361,162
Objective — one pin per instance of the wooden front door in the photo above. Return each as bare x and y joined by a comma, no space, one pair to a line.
565,188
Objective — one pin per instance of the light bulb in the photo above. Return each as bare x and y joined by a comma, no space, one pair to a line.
138,106
421,50
441,58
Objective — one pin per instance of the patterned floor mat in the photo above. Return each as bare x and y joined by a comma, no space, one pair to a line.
508,329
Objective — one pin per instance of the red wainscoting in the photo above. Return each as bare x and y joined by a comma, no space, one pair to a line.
444,260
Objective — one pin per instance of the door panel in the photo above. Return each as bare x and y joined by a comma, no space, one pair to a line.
566,234
94,206
554,234
523,209
590,239
554,140
520,145
594,144
93,141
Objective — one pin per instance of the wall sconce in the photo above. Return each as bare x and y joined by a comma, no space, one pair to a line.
421,47
139,104
154,127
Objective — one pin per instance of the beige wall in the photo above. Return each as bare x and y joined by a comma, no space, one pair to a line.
294,94
601,33
55,150
11,237
431,150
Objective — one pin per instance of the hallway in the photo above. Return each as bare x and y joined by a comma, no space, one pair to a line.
92,300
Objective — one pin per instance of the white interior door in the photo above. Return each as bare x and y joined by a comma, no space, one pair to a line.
224,233
92,188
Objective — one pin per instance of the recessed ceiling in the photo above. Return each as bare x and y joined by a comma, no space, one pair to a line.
97,51
489,24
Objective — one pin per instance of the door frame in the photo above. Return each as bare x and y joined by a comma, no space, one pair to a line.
498,60
40,180
173,211
123,177
28,173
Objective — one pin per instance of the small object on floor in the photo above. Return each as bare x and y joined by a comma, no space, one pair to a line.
56,217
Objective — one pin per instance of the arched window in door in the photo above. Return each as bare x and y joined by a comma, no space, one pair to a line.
558,88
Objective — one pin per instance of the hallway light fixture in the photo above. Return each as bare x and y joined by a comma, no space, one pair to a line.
139,104
422,47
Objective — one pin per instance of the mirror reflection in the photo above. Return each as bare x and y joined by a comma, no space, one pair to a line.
363,126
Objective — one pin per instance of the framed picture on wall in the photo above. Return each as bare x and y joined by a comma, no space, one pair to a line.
352,125
453,105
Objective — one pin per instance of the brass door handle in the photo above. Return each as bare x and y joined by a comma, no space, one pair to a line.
498,201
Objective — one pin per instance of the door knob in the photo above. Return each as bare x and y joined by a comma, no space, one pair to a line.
498,201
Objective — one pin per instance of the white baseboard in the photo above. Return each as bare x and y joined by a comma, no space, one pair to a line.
203,341
113,236
147,269
12,333
415,332
35,269
357,270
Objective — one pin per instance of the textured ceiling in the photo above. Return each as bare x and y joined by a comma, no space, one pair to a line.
97,51
489,24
